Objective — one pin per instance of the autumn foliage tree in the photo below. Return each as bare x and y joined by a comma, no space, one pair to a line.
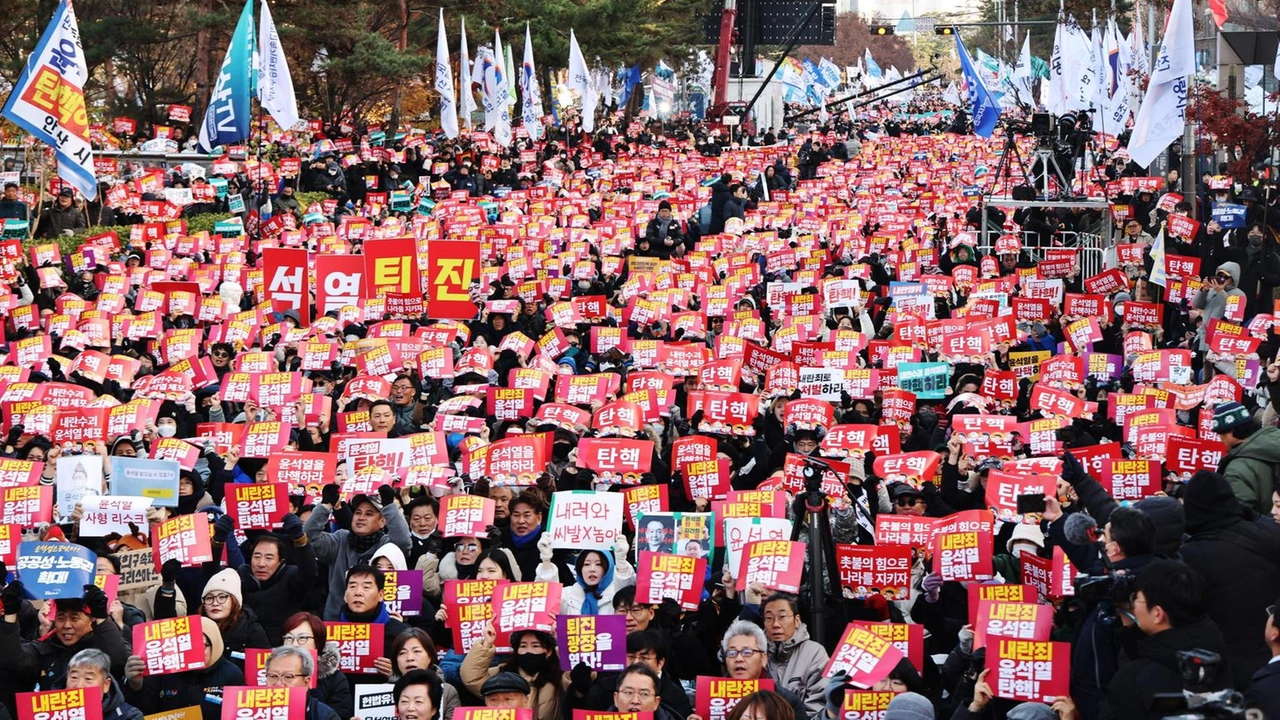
853,37
1226,125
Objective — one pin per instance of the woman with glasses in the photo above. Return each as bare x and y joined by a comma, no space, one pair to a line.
307,632
414,650
222,602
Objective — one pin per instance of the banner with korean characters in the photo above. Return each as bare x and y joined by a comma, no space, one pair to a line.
469,608
1028,670
867,570
715,697
584,519
258,506
359,644
524,606
69,704
263,703
170,645
664,575
866,658
599,641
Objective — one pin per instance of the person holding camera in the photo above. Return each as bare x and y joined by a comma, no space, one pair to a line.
1170,606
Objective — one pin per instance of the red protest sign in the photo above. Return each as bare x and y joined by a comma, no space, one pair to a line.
716,696
525,606
262,439
644,499
469,606
452,265
866,704
723,412
184,538
171,645
913,468
1003,490
258,506
465,516
908,638
1029,671
359,644
910,530
998,592
287,281
509,404
263,703
864,656
301,469
616,460
1130,479
391,266
706,478
776,564
1011,621
517,460
28,505
963,555
870,569
255,666
664,575
70,704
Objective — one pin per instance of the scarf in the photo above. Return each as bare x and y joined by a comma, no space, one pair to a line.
591,595
524,541
381,617
364,543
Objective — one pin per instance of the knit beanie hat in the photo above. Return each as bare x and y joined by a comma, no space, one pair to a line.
227,581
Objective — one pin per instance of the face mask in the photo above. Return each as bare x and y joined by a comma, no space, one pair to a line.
167,431
531,663
1255,240
584,284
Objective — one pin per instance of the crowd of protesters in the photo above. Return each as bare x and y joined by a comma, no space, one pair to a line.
734,248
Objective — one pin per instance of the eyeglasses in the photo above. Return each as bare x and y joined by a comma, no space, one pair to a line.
298,639
635,610
629,694
216,598
286,677
745,653
778,619
909,501
220,353
472,547
645,657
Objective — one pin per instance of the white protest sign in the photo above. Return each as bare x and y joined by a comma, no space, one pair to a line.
390,454
375,701
112,514
739,531
78,476
583,519
821,383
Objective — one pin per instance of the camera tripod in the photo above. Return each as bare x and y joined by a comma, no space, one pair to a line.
1044,167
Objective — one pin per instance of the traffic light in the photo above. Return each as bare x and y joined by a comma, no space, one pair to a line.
881,29
946,30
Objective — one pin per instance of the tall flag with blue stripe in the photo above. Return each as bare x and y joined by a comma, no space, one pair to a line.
531,105
227,119
985,109
873,68
48,100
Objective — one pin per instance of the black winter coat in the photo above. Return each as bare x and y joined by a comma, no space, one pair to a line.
1240,562
1264,691
276,598
1155,670
161,693
42,664
246,633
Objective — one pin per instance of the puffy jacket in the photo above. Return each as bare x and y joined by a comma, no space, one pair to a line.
332,686
161,693
246,633
276,598
114,706
333,549
797,665
42,664
1249,467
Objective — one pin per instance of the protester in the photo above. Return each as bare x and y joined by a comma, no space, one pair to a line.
290,666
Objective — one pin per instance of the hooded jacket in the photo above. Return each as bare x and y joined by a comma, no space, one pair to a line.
1155,670
335,550
797,664
1239,558
1248,467
572,597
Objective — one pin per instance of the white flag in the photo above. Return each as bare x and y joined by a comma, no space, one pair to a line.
1079,68
1056,98
1022,75
497,115
1100,91
1162,117
580,82
531,98
465,78
275,86
444,84
1116,113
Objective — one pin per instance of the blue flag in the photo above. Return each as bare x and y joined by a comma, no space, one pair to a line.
986,111
227,119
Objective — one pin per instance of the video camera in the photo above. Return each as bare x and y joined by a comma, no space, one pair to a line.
1200,670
